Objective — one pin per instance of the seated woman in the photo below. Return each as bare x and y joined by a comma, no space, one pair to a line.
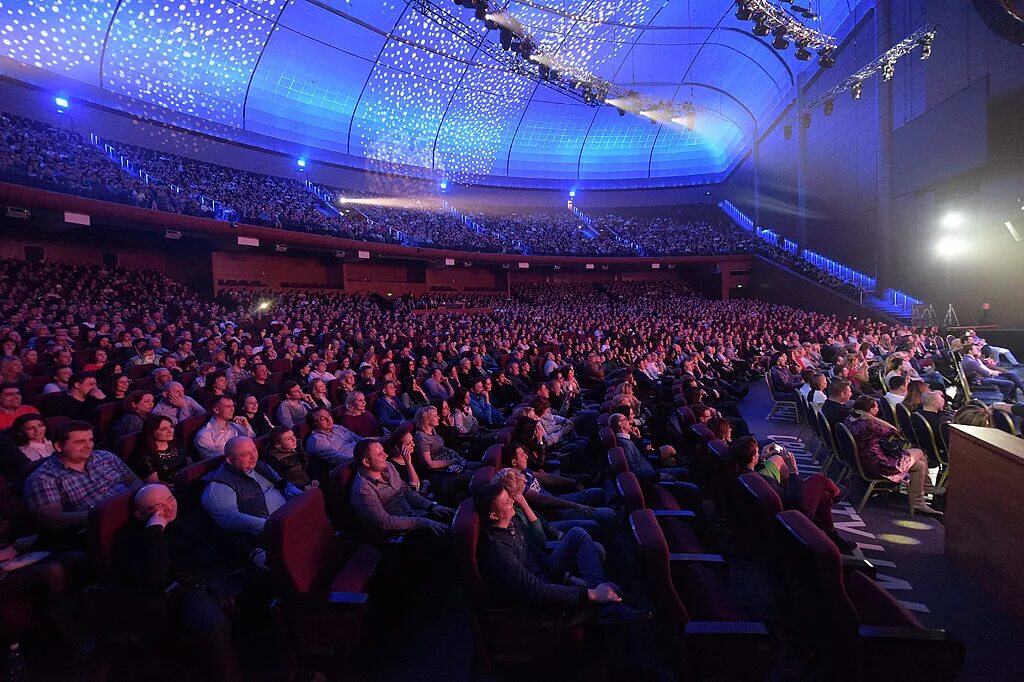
137,407
358,419
462,415
412,395
285,455
157,457
318,392
250,408
813,496
883,458
400,448
29,433
447,470
216,386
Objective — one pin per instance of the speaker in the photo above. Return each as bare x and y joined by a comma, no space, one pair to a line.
1004,17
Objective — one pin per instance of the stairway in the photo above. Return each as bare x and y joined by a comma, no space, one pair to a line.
893,304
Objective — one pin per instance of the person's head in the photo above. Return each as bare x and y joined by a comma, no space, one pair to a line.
73,442
139,402
250,405
865,403
972,415
355,403
972,349
320,420
389,389
745,451
174,391
318,387
897,384
819,382
399,439
155,498
223,408
721,428
28,428
260,373
511,480
63,375
494,505
526,430
477,387
291,390
217,381
806,376
371,456
241,453
702,413
10,396
283,438
915,389
840,390
618,422
156,428
460,399
778,360
81,384
514,455
933,401
426,417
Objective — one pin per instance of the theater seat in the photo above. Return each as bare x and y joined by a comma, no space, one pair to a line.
676,523
662,494
528,637
756,506
843,612
337,493
700,622
321,582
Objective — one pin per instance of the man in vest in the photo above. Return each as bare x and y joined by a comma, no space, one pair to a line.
243,492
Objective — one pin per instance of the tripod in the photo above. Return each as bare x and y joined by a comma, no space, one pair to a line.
924,315
950,320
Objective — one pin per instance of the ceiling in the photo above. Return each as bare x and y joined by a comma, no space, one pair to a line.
379,82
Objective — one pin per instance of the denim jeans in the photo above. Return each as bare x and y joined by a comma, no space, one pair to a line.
578,554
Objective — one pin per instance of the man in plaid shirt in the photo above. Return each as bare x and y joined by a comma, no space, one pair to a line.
74,479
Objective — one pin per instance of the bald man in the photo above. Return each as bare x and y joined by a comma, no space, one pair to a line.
175,405
243,492
162,549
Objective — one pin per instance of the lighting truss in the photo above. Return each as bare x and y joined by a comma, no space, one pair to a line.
527,60
776,19
884,63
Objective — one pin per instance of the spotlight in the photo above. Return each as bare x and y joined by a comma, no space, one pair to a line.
444,185
481,11
926,47
1012,230
280,248
805,120
855,89
545,72
888,71
801,52
572,193
760,28
691,120
829,106
787,132
506,39
622,112
950,247
339,254
780,42
301,163
491,24
264,305
62,104
826,60
743,11
952,220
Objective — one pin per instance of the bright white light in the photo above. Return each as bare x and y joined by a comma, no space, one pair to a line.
342,200
1013,231
572,193
952,220
62,102
302,163
950,247
444,185
264,305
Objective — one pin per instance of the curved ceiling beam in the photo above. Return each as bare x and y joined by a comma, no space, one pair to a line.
259,58
106,39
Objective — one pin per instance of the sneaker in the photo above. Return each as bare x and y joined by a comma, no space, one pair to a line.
925,509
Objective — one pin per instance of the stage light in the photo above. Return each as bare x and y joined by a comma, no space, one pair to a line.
780,42
572,193
952,220
826,60
622,112
829,107
888,71
264,305
950,247
787,132
62,104
760,28
481,11
691,120
743,13
280,248
805,120
855,90
444,185
506,39
801,52
926,47
301,163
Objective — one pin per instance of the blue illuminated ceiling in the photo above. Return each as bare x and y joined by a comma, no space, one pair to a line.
388,88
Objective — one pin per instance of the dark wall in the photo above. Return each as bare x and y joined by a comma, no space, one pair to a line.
770,282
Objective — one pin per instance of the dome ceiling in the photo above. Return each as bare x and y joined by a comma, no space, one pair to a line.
382,83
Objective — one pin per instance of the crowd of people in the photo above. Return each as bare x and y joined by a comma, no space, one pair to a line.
553,232
115,381
696,232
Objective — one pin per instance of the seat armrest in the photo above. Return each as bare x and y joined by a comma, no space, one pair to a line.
681,513
905,633
938,655
722,627
863,565
710,559
353,598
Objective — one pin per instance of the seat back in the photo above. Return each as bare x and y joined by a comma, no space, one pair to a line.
825,429
1004,422
338,492
617,461
269,404
849,453
607,437
185,432
631,492
904,423
137,371
655,568
686,418
103,418
887,412
188,481
300,544
758,504
466,536
125,446
494,457
106,521
926,438
482,477
50,404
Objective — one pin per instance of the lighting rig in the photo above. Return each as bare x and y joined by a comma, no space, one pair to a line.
884,64
517,52
771,19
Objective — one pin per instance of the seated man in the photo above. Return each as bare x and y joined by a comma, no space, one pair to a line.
387,409
933,404
80,401
571,576
243,492
329,444
384,503
222,427
835,408
980,375
175,405
10,405
259,384
638,462
295,406
62,490
161,548
897,390
783,381
480,404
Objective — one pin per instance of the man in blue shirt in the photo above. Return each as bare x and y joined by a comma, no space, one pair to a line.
480,404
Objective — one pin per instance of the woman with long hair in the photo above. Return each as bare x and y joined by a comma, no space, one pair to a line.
358,419
250,408
29,433
136,407
157,456
318,392
400,448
